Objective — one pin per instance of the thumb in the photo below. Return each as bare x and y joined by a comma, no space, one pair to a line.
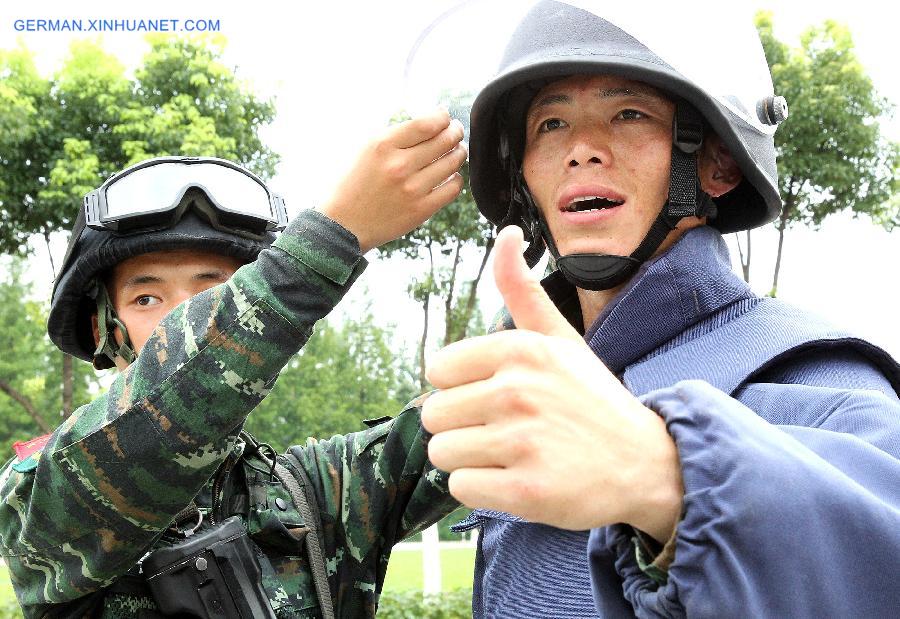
528,304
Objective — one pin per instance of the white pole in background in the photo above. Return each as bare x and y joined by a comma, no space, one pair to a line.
431,560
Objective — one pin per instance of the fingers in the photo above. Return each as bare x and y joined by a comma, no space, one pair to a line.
434,148
426,139
440,170
486,488
399,180
479,358
465,447
443,195
427,167
466,405
420,129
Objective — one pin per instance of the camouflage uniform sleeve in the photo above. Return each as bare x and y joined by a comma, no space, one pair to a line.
115,473
374,488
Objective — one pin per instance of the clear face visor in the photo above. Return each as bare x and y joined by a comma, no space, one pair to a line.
155,194
713,44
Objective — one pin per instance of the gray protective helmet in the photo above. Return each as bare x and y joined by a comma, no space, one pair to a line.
191,222
718,79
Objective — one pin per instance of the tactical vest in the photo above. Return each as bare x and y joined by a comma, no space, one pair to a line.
252,481
767,335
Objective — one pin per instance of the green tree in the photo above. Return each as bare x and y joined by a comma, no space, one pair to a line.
832,155
439,244
342,376
30,372
64,135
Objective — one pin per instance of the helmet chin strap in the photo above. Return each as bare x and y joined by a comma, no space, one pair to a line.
107,321
686,199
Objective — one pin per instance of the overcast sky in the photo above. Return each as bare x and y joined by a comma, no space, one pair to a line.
336,71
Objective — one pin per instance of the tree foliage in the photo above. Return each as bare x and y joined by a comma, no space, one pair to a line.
439,245
30,372
832,155
62,136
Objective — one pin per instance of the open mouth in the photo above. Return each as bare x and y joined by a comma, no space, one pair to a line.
587,204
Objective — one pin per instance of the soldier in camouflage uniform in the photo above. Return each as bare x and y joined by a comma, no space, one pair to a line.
163,450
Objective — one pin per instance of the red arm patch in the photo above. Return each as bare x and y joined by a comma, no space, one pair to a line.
26,448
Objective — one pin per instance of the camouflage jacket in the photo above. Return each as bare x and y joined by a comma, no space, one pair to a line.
81,512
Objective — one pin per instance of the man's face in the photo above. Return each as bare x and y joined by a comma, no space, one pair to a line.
599,136
145,288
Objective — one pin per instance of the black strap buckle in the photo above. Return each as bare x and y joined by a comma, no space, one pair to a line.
687,129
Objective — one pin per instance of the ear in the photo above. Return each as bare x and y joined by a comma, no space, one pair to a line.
719,173
96,328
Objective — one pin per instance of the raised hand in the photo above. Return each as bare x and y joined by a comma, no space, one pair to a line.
530,422
400,179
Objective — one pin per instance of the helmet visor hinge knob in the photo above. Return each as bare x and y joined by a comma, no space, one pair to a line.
772,110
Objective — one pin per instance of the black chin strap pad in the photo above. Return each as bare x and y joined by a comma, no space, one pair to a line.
597,271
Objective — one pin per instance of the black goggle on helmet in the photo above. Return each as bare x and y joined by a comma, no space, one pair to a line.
166,203
716,74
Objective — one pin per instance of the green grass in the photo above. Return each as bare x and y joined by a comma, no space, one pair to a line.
9,608
6,590
405,569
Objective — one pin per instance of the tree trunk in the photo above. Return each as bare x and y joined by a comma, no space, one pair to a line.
423,382
473,288
22,399
782,225
50,253
448,302
68,380
749,254
745,261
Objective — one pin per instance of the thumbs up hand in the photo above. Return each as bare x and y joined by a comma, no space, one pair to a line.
531,422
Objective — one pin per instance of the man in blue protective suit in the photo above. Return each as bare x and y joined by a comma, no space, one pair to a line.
697,450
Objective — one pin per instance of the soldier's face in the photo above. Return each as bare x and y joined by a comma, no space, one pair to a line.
145,288
599,136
